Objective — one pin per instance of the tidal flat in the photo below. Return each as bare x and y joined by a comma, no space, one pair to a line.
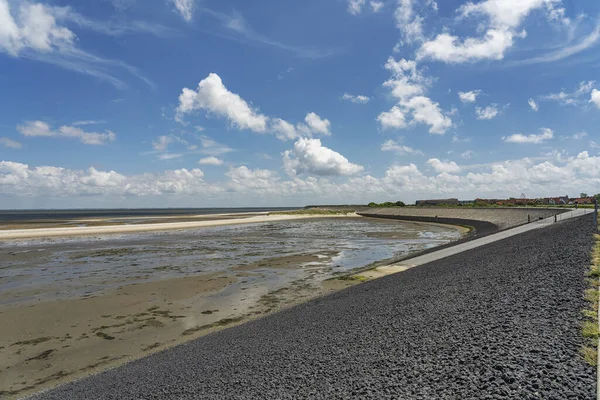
74,306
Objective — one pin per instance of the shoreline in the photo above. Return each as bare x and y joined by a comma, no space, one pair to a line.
37,233
59,340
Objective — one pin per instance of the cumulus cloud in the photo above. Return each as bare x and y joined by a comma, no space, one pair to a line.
408,86
56,185
595,97
449,49
409,22
426,111
359,99
440,166
546,134
391,145
39,128
502,18
213,97
533,105
317,124
211,161
469,97
310,156
393,119
185,8
489,112
10,143
34,27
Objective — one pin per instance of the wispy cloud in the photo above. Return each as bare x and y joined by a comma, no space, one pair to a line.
10,143
115,27
236,24
88,122
37,32
587,42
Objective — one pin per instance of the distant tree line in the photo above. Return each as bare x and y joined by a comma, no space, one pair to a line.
387,204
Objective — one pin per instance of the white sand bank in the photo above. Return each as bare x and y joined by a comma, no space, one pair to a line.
100,230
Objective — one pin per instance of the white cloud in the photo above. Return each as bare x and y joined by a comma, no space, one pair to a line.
213,97
185,8
310,156
467,155
573,98
469,97
211,161
507,14
360,99
162,143
35,28
409,22
391,145
35,128
32,31
284,130
10,143
408,85
393,119
212,148
376,6
87,122
567,51
426,111
502,19
86,137
534,106
440,166
407,81
313,125
317,124
546,134
169,156
595,97
488,112
39,128
579,135
57,186
458,139
259,181
450,49
355,6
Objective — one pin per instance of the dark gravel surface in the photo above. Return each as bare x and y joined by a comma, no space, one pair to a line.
498,322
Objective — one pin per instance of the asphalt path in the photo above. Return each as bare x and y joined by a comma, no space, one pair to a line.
500,321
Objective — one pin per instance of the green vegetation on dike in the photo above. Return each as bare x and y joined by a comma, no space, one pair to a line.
590,328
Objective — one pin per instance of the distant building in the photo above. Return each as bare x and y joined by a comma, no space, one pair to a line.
582,200
438,202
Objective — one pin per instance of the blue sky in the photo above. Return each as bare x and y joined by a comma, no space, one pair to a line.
163,103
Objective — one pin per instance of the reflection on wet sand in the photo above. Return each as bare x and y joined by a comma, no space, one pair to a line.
70,307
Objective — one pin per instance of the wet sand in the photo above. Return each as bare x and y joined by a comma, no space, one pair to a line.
58,331
49,342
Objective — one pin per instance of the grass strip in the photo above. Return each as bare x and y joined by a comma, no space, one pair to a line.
590,328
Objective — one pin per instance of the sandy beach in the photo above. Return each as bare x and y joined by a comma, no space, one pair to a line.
103,228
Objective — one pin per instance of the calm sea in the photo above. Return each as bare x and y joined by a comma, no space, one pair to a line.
23,215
